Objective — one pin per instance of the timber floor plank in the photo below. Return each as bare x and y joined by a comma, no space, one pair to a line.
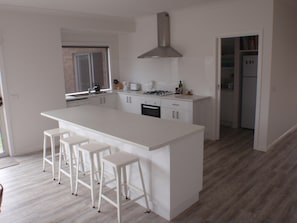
240,185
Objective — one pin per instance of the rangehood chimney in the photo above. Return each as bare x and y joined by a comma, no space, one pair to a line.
164,49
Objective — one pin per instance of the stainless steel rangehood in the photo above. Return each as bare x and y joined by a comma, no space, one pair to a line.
164,49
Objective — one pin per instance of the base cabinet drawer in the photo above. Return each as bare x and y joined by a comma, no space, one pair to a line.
183,105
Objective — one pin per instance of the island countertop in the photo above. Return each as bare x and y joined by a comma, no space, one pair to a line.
146,132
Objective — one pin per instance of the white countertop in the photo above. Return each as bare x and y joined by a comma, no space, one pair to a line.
140,93
181,97
144,131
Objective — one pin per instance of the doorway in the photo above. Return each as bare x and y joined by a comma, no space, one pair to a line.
237,83
5,149
3,141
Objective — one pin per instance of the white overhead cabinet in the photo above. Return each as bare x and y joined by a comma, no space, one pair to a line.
129,103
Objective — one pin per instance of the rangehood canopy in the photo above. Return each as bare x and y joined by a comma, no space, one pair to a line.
164,49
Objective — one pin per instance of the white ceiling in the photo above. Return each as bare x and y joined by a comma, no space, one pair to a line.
123,8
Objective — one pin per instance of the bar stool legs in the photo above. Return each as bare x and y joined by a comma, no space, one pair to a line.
93,151
143,188
68,144
119,201
52,134
119,161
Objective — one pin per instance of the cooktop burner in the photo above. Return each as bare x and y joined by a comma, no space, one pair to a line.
158,92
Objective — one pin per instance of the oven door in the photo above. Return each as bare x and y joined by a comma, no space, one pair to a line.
151,110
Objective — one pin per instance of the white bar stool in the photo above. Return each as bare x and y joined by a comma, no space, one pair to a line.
69,144
119,161
52,134
92,150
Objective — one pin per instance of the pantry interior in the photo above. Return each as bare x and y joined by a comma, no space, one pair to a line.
239,55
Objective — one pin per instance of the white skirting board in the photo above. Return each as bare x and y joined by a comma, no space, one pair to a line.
288,132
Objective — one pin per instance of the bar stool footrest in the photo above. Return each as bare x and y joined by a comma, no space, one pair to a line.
130,188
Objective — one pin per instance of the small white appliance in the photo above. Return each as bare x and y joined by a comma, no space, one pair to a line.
125,85
134,86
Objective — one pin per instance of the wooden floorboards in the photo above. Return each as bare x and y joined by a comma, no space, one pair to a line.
243,185
240,185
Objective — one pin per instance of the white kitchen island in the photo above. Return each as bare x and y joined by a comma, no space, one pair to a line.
171,152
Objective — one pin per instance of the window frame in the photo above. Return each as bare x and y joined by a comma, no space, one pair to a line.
105,50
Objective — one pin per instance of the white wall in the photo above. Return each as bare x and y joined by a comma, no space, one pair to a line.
33,68
283,103
31,44
193,33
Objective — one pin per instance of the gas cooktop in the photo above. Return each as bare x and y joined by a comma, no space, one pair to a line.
158,92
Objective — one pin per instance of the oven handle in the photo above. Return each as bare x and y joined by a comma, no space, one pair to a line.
151,107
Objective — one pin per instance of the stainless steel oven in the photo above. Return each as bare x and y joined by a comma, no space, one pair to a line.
151,106
151,110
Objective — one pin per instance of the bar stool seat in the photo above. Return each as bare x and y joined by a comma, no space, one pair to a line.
93,151
69,145
52,134
119,161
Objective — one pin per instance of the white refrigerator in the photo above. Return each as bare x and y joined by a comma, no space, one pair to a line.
249,91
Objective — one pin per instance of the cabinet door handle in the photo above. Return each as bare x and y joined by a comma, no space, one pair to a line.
127,99
175,104
173,114
177,115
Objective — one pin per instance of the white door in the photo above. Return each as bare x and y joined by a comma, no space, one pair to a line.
3,141
4,151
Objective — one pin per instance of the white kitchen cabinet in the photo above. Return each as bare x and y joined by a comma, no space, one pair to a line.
105,100
177,110
129,103
176,114
78,102
193,112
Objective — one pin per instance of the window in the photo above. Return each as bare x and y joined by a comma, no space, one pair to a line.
84,67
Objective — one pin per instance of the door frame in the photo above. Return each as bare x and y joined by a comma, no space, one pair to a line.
5,116
218,83
3,133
